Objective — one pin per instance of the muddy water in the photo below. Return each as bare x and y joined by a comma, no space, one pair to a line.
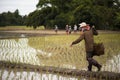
14,75
113,64
19,51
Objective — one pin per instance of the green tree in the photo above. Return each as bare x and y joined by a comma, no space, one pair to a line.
62,12
2,20
10,19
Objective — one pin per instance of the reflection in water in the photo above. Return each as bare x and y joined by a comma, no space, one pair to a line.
18,51
44,53
113,64
12,75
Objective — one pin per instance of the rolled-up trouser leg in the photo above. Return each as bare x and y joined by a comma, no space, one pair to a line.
91,61
89,66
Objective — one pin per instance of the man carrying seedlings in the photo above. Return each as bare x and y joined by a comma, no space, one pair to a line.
87,35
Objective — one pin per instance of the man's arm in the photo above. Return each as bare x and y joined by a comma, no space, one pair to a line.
78,40
94,31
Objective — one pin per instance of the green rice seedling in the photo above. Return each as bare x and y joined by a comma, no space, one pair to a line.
55,51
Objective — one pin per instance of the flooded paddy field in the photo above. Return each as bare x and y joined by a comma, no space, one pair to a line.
55,51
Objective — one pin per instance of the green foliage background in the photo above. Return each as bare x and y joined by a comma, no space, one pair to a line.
12,19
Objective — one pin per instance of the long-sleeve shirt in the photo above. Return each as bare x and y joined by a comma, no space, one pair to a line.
88,38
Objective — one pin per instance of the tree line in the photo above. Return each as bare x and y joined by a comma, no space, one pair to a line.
104,14
12,19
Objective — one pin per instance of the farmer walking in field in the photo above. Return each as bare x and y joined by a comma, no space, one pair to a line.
87,35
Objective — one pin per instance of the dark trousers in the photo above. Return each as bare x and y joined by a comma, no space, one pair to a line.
91,61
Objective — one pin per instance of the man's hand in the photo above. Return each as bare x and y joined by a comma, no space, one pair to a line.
71,45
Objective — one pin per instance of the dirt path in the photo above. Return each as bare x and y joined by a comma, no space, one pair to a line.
28,33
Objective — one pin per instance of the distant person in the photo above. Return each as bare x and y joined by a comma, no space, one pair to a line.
56,28
75,28
70,30
87,36
67,28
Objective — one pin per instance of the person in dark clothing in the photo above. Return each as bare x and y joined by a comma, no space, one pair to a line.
87,35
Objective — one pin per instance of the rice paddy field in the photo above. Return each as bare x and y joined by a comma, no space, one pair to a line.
55,50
